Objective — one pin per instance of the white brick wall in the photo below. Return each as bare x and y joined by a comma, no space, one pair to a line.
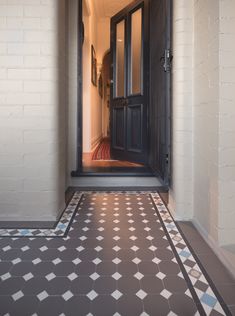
181,203
214,132
32,109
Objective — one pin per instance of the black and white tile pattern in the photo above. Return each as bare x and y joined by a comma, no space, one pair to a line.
120,254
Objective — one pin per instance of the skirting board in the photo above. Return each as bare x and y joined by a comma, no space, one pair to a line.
220,252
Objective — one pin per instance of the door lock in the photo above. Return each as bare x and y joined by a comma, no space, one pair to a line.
166,60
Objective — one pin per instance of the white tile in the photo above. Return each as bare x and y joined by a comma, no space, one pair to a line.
116,294
138,275
28,276
42,296
72,276
94,276
92,295
141,294
116,260
18,295
67,295
116,276
165,293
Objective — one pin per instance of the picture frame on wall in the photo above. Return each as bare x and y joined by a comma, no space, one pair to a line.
93,66
100,86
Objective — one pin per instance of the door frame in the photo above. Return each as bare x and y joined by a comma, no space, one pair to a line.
79,132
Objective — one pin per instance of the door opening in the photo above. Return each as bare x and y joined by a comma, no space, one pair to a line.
118,105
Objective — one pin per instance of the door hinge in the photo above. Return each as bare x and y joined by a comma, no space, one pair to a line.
167,158
167,60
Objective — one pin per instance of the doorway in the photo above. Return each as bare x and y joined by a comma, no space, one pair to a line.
123,79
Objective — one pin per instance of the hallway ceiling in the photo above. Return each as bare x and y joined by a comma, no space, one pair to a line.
108,8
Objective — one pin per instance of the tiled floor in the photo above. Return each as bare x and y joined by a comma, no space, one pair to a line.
116,253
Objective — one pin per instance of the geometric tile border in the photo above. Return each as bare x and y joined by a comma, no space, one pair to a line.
60,230
202,289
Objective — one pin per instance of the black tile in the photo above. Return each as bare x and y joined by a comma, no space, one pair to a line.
148,267
128,285
182,305
104,285
11,286
157,305
129,305
106,268
26,306
103,305
82,285
77,305
51,306
151,284
175,284
127,268
85,268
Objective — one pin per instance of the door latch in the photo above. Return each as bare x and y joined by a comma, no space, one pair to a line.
166,59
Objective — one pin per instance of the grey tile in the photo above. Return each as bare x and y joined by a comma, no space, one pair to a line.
156,305
25,306
128,285
82,285
52,306
105,285
182,305
11,286
129,305
175,284
151,284
104,305
78,305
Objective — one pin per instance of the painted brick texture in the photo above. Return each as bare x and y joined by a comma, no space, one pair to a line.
32,109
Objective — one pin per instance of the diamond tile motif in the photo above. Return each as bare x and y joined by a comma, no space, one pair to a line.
28,276
116,248
72,276
97,261
67,295
138,275
116,294
92,295
136,260
94,276
116,276
5,276
80,266
141,294
50,276
18,295
42,296
165,293
60,229
116,260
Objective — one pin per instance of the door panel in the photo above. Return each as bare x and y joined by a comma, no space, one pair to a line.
134,133
136,52
119,128
129,84
160,85
120,59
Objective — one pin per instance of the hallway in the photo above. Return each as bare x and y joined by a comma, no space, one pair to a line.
112,253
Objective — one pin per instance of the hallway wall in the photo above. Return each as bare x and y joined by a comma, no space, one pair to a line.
203,187
32,109
214,132
92,106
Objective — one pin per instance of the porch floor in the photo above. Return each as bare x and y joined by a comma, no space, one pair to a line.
112,253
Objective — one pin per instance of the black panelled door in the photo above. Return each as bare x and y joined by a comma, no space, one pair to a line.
160,88
129,83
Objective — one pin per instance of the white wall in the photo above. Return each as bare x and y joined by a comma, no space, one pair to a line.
181,192
32,109
203,121
92,106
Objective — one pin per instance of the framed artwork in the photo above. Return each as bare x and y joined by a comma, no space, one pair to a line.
100,86
93,66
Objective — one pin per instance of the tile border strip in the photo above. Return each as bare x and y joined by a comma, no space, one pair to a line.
60,229
210,299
